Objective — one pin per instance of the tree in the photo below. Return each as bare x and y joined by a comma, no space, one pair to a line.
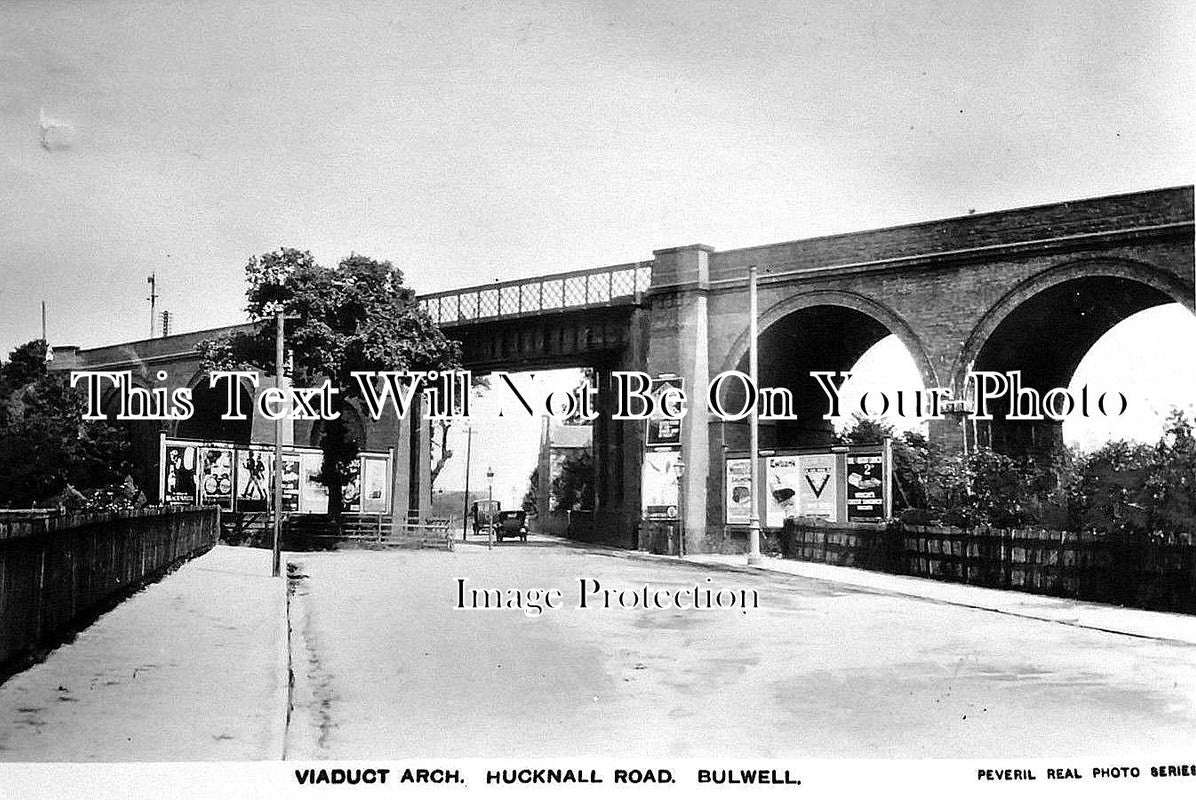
528,503
1127,486
47,449
357,316
1171,487
573,488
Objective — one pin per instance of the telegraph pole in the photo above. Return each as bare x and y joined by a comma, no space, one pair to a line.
153,299
753,423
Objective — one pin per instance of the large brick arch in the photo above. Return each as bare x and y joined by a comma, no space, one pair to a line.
1166,283
884,315
830,330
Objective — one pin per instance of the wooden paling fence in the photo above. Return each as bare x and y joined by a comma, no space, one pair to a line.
1152,571
57,572
304,532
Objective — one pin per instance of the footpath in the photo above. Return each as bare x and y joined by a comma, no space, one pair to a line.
193,667
1180,628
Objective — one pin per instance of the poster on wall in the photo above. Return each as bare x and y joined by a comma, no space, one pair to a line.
181,488
374,485
865,488
253,480
313,495
739,491
664,432
291,466
660,496
352,494
216,476
782,486
818,489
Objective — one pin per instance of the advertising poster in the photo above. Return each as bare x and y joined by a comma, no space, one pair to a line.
865,488
216,476
290,482
352,495
781,482
739,491
660,490
375,488
180,475
664,432
818,489
253,480
313,495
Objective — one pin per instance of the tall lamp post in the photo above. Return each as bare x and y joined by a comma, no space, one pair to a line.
490,508
465,509
753,422
679,470
276,568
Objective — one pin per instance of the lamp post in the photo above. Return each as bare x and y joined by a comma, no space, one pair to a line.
465,508
490,508
679,470
276,563
753,423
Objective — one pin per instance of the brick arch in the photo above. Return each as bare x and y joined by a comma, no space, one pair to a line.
1166,283
884,315
203,424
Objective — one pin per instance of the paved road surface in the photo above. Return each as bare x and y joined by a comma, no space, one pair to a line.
387,667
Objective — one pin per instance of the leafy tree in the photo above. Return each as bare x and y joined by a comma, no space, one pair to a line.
355,316
47,449
528,503
1128,486
573,488
1171,485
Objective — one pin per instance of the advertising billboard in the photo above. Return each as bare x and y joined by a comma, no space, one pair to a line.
660,491
738,499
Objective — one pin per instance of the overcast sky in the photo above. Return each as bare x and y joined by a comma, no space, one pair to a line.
471,141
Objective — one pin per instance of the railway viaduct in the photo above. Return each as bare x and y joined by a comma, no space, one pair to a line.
1029,289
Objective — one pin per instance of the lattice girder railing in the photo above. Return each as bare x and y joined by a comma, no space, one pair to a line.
562,291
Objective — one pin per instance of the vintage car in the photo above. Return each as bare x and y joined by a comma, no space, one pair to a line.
484,513
511,525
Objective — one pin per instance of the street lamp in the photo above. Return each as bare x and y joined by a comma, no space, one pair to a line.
490,508
753,421
276,562
679,470
465,508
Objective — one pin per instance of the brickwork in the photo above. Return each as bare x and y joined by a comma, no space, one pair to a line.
943,287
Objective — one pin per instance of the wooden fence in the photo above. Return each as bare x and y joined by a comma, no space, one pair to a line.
58,572
306,532
1151,571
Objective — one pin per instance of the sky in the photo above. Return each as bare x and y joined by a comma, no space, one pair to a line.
469,141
